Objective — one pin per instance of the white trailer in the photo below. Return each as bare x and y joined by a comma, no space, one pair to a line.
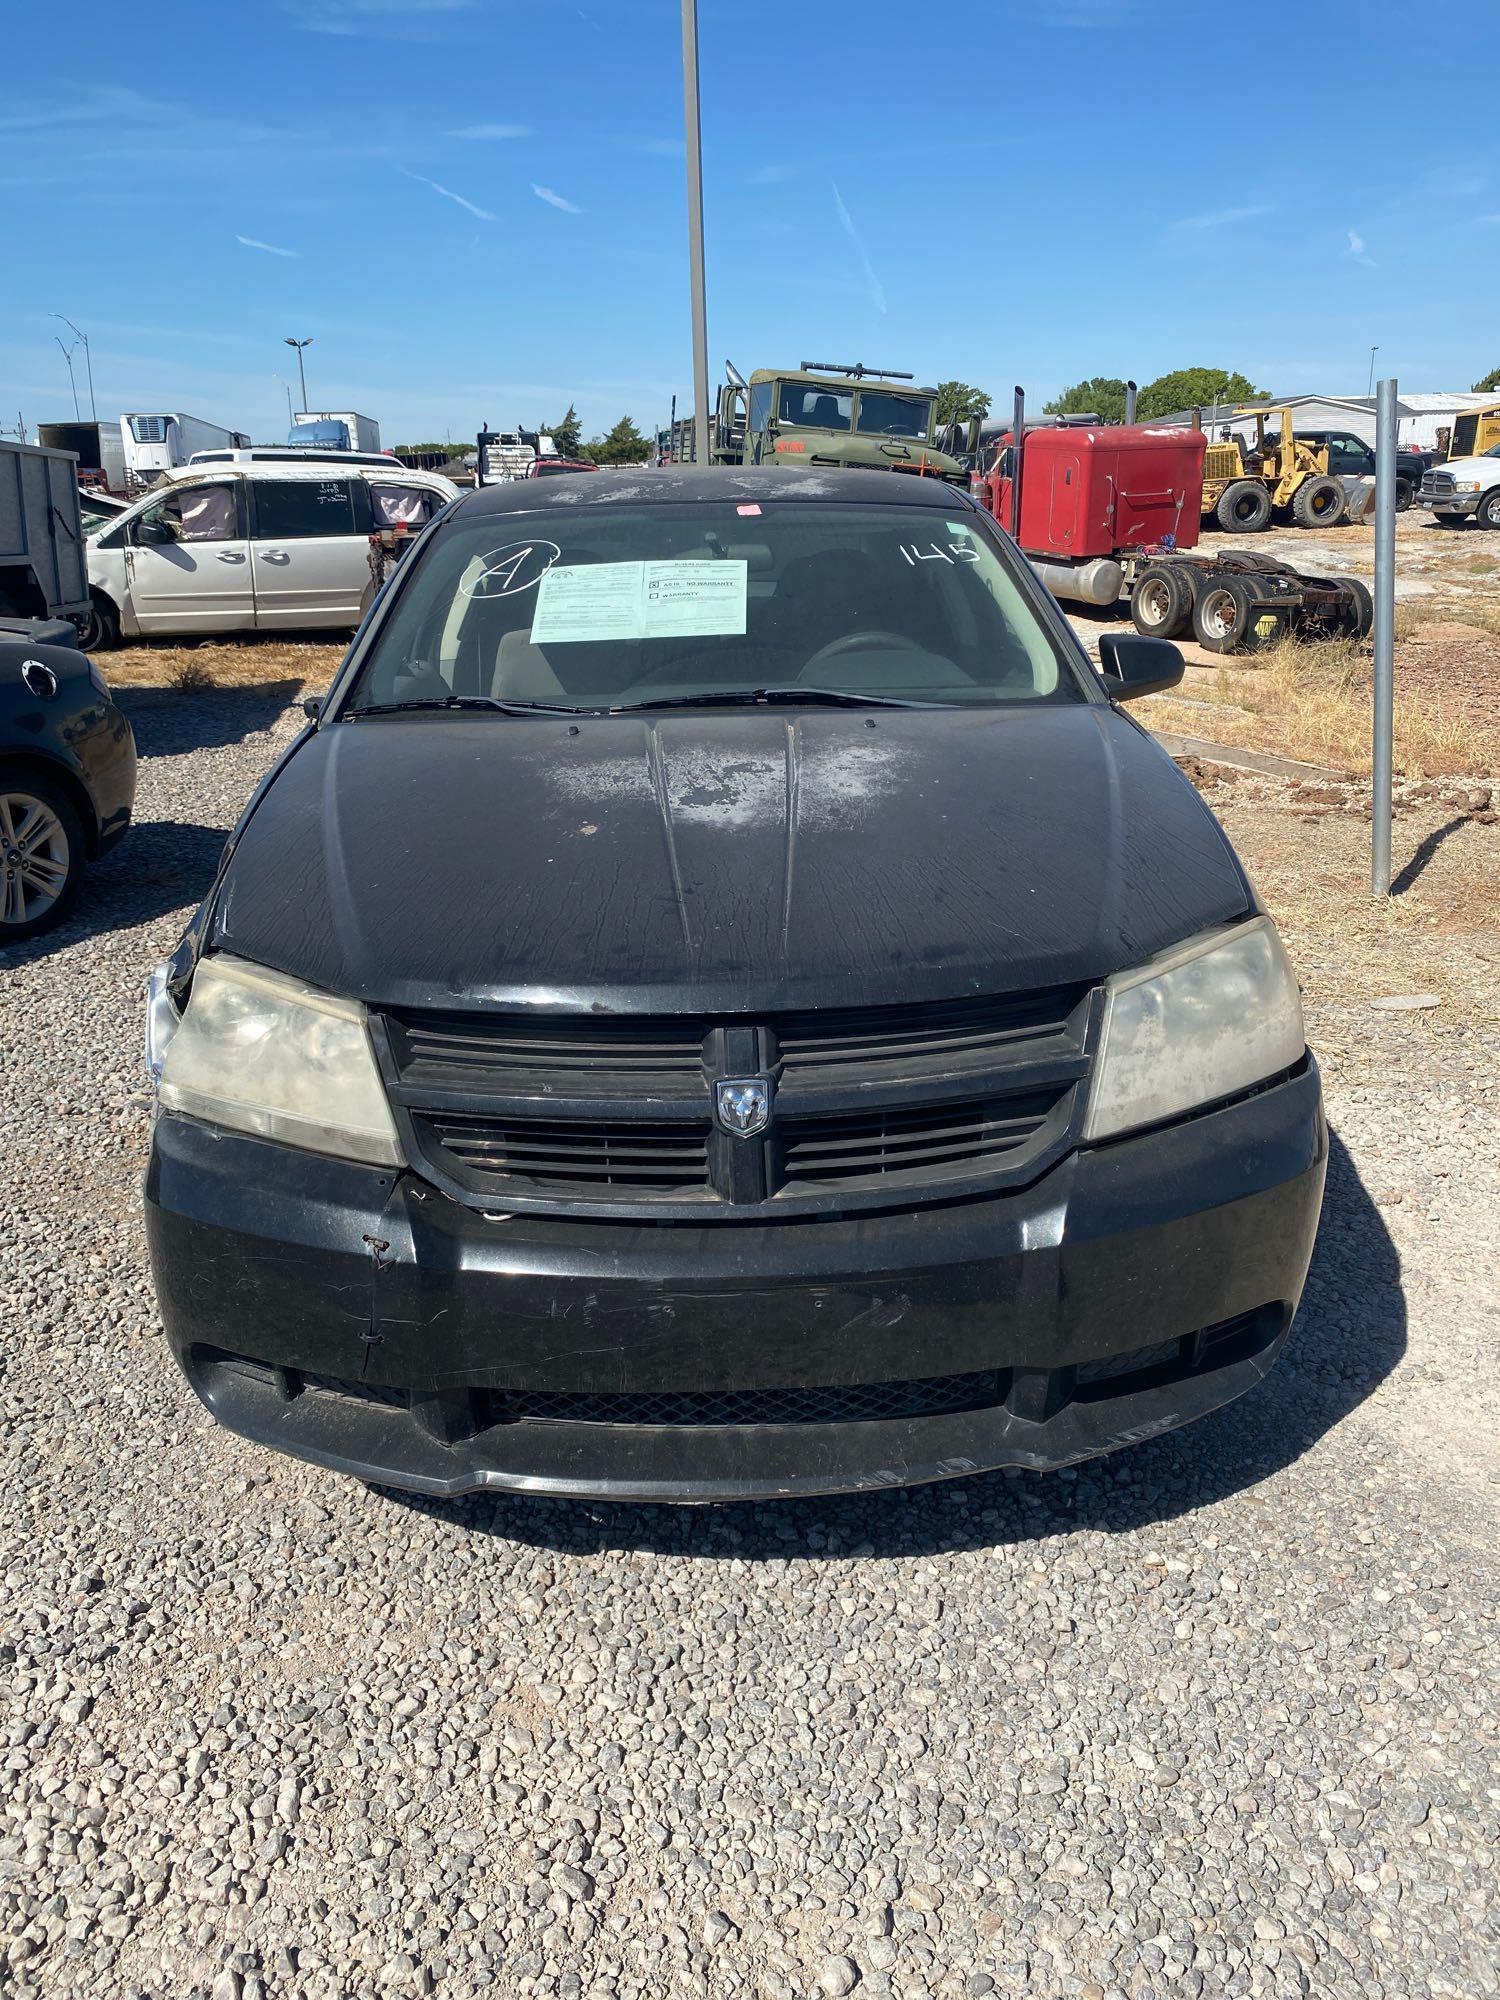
335,430
156,440
99,448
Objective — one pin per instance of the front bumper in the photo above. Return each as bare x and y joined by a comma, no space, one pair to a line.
1450,503
367,1322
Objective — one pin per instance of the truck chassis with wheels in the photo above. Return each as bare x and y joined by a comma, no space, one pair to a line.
1235,602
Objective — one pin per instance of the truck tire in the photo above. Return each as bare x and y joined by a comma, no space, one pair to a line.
1222,613
1161,605
1361,616
1244,507
1487,513
100,630
1406,492
1318,502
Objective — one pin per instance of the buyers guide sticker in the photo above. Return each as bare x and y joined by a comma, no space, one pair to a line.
686,597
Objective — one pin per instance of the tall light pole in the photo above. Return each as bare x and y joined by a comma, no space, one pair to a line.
1370,385
301,371
694,134
88,360
67,353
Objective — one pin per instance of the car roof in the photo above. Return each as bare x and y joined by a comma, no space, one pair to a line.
299,469
676,485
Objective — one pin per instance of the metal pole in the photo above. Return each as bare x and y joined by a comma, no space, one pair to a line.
1385,636
1018,436
694,134
1371,383
1130,395
67,353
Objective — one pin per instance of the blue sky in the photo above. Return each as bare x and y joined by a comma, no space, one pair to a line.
476,208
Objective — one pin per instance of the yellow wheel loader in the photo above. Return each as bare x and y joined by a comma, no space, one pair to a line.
1244,486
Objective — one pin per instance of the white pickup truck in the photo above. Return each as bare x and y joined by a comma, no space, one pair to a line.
1464,486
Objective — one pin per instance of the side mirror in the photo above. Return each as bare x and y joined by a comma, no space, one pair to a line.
312,706
152,534
1131,665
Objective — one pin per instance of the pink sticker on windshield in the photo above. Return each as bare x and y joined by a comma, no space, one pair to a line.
751,509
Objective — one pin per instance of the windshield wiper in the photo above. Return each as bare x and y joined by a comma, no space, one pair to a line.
787,697
467,701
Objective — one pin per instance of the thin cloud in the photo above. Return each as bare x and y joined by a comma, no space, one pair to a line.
1484,221
491,132
386,20
1222,218
555,200
448,194
1357,250
274,249
873,285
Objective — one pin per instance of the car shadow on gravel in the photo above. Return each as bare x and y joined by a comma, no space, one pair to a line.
169,722
160,866
1349,1334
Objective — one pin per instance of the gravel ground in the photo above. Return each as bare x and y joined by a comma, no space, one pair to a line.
1206,1718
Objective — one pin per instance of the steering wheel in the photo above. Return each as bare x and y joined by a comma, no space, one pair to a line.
857,642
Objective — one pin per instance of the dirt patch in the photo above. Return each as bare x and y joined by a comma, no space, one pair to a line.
1308,849
245,662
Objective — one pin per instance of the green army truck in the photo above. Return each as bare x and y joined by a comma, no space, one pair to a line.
826,414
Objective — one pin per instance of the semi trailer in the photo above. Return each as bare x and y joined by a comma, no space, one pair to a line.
156,440
99,449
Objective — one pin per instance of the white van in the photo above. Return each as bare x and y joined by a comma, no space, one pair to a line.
252,548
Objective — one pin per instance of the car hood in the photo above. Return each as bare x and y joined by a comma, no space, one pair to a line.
722,861
1470,468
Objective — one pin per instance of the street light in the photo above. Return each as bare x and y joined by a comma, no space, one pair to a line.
88,363
1370,385
67,353
301,371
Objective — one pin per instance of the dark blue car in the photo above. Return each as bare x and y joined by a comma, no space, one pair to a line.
67,779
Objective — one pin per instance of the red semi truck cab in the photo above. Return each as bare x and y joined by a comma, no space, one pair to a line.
1103,490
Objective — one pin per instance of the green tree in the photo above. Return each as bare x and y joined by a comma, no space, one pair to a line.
1100,396
565,434
1187,386
957,402
1487,382
624,445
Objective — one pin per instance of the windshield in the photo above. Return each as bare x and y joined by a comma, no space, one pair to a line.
816,406
894,416
608,607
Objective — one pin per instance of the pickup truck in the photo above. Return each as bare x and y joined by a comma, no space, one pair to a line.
1350,454
1464,486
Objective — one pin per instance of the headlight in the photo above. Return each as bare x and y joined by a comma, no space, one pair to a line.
262,1053
1466,485
1195,1025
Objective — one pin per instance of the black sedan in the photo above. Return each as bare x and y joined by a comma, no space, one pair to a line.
67,780
721,1001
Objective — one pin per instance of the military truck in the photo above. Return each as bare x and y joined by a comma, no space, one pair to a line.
830,413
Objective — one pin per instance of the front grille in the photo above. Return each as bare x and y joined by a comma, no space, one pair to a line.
871,1105
865,1402
922,1144
1438,483
959,1034
436,1048
638,1158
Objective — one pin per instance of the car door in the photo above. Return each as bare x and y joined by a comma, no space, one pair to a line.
310,551
187,561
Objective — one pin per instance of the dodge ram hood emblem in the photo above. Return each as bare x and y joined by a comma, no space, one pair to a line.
743,1104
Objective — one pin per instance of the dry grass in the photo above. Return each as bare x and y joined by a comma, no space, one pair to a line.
1313,702
1440,933
224,663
